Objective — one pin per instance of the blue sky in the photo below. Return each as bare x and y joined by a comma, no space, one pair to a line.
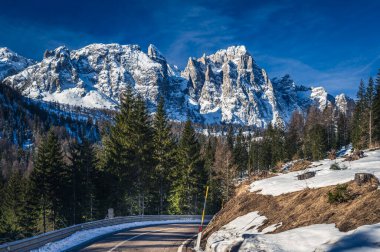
328,43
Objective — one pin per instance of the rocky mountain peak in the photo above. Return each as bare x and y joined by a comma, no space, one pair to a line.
154,53
11,63
224,87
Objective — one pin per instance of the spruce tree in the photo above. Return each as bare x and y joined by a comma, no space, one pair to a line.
343,133
225,171
294,136
188,176
12,207
240,153
127,162
359,125
215,199
116,173
376,109
370,97
49,180
81,181
143,159
316,141
163,154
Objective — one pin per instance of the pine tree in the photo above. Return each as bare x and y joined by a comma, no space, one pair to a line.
29,214
127,163
359,125
230,138
240,154
343,133
294,136
376,109
214,198
316,141
81,177
115,173
187,177
163,154
143,159
225,170
330,126
49,180
12,207
370,97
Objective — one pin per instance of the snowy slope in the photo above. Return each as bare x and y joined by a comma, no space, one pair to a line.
11,63
243,231
285,183
225,87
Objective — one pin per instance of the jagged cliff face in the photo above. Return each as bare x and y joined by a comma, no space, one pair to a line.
93,76
230,87
225,87
11,63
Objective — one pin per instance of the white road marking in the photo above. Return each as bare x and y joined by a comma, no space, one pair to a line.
121,243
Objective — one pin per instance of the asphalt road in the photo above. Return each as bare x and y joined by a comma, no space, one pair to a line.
168,237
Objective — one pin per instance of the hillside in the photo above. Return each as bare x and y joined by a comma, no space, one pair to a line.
274,214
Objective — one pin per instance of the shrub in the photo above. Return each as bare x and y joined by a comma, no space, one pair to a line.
339,195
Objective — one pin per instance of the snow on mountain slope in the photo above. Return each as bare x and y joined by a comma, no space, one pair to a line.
93,76
285,183
11,63
231,87
225,87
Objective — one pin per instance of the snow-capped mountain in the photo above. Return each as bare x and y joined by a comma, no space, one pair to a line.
11,63
229,86
225,87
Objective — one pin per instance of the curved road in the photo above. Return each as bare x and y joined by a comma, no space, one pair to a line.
168,237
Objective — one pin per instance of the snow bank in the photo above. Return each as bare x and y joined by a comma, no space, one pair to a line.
320,237
286,183
242,235
87,235
233,232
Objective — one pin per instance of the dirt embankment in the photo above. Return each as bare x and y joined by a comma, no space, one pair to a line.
304,208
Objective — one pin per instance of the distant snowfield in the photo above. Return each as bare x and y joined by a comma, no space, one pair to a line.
242,233
286,183
87,235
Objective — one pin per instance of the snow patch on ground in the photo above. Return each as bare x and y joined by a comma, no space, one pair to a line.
242,235
87,235
286,183
233,232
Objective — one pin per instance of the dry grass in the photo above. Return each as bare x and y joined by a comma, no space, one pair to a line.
300,165
305,208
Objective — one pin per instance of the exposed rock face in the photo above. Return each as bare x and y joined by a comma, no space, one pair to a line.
93,76
225,87
11,63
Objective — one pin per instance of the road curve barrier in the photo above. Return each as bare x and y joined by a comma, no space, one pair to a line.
52,236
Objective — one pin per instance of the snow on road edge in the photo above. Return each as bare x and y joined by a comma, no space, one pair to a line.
87,235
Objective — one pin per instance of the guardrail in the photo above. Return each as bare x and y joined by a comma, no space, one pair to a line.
40,240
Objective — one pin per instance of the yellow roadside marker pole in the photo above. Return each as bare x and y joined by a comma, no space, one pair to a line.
203,218
204,210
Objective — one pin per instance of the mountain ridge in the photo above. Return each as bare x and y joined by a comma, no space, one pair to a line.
225,87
